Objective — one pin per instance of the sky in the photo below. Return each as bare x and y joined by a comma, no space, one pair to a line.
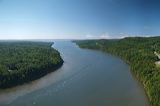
78,19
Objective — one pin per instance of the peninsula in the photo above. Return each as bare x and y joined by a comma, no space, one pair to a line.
22,62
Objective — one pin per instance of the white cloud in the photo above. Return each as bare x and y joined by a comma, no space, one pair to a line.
111,36
103,36
106,36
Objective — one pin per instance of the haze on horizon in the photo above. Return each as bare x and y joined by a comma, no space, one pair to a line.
78,19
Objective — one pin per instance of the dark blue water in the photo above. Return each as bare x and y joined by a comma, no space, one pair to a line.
87,78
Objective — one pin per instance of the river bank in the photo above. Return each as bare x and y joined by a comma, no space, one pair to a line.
22,62
138,53
86,78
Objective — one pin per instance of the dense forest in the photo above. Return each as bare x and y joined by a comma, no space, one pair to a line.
25,61
138,52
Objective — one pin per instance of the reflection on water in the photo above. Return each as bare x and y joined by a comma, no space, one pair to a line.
87,78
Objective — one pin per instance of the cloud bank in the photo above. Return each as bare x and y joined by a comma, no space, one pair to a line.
117,36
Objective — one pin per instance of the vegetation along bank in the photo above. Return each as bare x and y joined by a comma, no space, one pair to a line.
21,62
139,53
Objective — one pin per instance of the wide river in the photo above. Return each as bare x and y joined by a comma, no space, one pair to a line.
87,78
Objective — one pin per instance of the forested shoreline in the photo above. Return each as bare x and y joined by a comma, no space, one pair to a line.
138,52
22,61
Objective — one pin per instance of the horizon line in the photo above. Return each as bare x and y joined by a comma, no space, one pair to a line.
17,39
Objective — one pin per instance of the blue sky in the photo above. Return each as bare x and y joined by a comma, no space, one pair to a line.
81,19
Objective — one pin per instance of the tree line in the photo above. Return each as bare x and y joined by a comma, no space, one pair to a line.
138,52
25,61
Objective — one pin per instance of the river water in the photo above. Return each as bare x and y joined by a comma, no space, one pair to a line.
87,78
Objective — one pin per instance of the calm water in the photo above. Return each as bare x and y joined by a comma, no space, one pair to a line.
87,78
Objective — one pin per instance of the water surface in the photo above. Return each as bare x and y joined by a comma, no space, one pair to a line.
87,78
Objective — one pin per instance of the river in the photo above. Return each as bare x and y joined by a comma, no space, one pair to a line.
87,78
